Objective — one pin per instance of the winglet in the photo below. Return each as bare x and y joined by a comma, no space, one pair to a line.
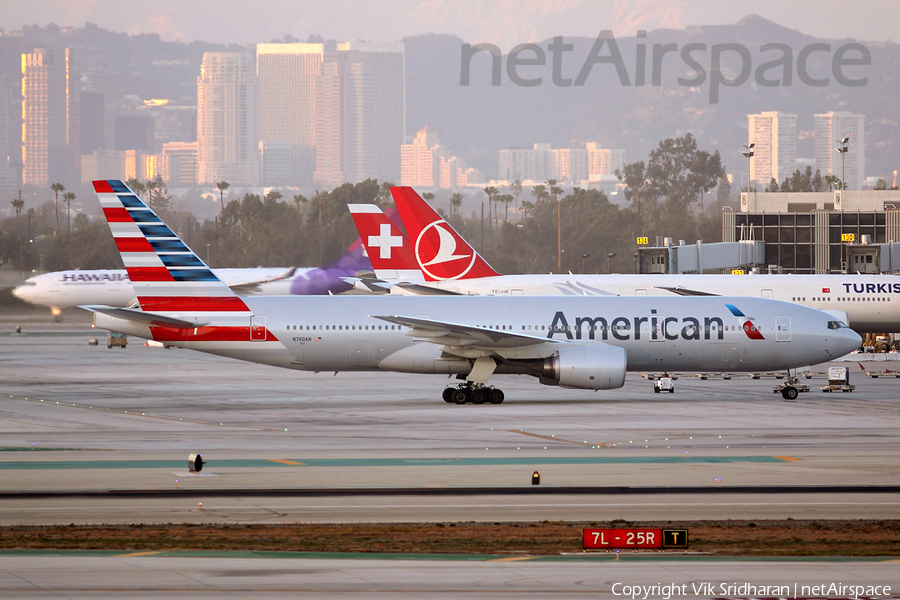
440,251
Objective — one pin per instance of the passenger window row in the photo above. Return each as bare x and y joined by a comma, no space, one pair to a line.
342,327
848,299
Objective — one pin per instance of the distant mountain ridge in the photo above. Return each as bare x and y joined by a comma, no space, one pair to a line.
477,120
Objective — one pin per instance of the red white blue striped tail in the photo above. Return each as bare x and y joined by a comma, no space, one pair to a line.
168,278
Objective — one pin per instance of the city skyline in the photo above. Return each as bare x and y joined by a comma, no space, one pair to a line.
363,151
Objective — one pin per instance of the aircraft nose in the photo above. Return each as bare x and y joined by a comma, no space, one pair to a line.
21,292
845,342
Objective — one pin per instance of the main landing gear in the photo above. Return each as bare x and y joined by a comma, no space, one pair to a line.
474,393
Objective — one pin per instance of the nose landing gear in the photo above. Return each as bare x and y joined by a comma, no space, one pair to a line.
474,393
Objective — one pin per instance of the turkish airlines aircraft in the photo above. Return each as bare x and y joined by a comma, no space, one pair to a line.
869,303
585,342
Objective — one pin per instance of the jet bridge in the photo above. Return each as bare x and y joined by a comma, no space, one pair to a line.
667,258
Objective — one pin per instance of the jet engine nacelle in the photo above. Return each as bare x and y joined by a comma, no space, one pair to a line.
591,367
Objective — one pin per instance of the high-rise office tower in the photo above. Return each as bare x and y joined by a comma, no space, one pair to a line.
421,160
775,152
831,128
386,61
345,120
135,132
227,119
360,113
288,76
8,179
49,128
91,122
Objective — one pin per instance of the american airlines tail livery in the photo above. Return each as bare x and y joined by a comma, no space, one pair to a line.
584,342
869,303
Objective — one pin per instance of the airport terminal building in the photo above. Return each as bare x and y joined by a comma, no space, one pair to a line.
820,232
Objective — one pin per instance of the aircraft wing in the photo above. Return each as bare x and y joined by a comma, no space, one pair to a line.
380,286
456,334
684,291
146,317
245,287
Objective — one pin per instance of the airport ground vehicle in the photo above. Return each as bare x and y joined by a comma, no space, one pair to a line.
117,340
664,384
838,380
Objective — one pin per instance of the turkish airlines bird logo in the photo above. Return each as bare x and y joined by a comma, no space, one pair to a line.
436,251
747,324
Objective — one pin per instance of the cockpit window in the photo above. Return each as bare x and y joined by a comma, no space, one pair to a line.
837,325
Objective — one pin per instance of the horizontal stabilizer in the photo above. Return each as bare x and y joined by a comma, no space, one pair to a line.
251,286
146,317
425,290
683,291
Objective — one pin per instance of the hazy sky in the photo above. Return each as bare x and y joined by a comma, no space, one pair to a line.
506,22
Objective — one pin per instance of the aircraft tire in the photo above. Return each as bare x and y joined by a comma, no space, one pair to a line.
479,395
496,396
460,395
447,395
789,393
672,390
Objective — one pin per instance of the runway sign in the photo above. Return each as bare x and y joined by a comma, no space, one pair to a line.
634,539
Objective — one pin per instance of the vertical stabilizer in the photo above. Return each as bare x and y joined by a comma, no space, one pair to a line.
442,253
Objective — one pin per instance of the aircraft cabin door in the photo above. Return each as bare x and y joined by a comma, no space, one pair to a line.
766,294
257,329
782,329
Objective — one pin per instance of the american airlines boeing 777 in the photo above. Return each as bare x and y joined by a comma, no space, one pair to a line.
585,342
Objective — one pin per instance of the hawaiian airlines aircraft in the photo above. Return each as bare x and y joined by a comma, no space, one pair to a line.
65,289
585,342
448,264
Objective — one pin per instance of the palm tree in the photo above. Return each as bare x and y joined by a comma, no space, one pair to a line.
428,196
151,187
516,188
526,206
68,197
505,199
490,191
299,200
57,188
554,192
455,202
136,186
19,204
222,185
273,195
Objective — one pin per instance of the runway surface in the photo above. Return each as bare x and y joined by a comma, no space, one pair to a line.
39,576
87,419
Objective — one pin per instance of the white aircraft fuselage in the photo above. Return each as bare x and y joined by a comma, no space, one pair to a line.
345,333
871,302
111,287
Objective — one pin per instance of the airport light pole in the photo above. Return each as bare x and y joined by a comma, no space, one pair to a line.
843,149
609,258
584,257
748,154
